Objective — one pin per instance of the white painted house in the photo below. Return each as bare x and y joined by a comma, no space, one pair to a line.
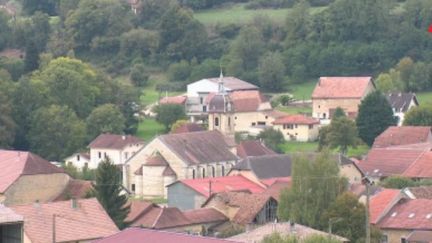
118,148
401,103
79,160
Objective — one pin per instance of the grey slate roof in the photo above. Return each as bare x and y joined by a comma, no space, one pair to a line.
199,147
267,166
401,101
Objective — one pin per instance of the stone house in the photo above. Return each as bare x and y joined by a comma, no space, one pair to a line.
11,226
298,127
192,193
198,92
25,178
172,157
118,148
78,221
344,92
401,103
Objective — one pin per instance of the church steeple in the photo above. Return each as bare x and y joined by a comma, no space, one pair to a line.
221,88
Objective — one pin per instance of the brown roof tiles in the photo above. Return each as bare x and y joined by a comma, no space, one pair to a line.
252,148
113,141
403,135
341,87
296,119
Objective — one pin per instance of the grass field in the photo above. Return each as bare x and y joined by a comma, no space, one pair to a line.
238,14
149,128
302,91
293,147
424,97
294,110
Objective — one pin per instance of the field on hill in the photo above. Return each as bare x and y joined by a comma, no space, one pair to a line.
238,14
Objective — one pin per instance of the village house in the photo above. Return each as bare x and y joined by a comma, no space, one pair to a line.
172,157
401,103
244,209
118,148
285,229
198,92
79,221
344,92
199,221
298,127
11,226
25,178
140,235
192,193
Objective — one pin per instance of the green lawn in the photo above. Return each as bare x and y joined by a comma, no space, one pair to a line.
302,91
237,14
293,147
149,128
294,110
424,97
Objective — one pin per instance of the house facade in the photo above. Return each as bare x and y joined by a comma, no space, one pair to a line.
118,148
174,157
298,127
401,103
344,92
25,178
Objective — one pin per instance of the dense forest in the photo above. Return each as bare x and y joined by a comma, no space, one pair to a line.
64,91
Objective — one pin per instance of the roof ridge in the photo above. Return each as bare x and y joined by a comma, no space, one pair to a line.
415,161
157,218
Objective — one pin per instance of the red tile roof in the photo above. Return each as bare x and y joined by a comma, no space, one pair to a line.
382,202
167,218
86,222
139,208
221,184
341,87
403,135
14,164
114,141
276,188
247,101
420,168
296,119
176,100
415,214
252,148
189,127
139,235
75,189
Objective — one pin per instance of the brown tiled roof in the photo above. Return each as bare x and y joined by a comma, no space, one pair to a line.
189,127
275,189
7,216
14,164
113,141
232,83
414,214
76,189
403,135
176,100
296,119
247,211
382,202
247,101
421,192
341,87
420,168
139,235
252,148
285,229
139,208
267,166
88,221
199,147
400,102
205,215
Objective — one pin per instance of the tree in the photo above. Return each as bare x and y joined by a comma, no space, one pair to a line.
55,132
297,23
177,124
397,182
139,42
272,138
271,71
315,186
346,216
108,188
179,71
139,75
31,61
375,115
5,30
105,118
342,134
248,47
419,116
46,6
7,124
168,114
339,112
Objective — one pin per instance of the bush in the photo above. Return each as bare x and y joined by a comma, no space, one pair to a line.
138,75
179,71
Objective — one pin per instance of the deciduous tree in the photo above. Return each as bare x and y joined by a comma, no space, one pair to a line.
272,138
106,118
168,114
419,116
271,71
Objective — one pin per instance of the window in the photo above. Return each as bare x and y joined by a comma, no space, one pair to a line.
204,108
216,121
261,123
270,210
403,240
310,126
290,126
295,125
203,173
229,121
78,157
201,100
105,155
223,170
384,239
193,173
253,123
213,171
235,118
99,155
133,187
324,115
266,117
